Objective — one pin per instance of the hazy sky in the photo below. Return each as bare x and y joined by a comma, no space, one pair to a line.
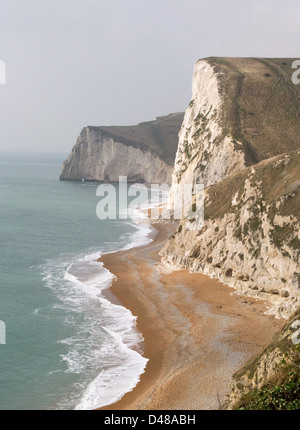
72,63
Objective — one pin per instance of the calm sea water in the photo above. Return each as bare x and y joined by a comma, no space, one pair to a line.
66,346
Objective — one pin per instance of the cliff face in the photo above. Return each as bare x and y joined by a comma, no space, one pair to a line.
243,110
205,154
143,153
251,234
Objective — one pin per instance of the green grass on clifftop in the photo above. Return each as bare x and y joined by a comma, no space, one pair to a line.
261,105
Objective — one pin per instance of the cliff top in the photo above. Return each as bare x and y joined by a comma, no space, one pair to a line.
159,136
261,106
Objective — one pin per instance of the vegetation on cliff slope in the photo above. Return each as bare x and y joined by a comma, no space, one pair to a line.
282,392
271,380
261,106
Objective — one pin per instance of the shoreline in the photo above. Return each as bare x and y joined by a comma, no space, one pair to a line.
196,333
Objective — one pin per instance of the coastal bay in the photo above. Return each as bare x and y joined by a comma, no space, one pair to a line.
196,332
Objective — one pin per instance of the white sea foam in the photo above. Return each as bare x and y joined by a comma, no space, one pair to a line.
106,351
112,383
121,376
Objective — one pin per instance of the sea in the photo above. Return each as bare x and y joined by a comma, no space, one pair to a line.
66,345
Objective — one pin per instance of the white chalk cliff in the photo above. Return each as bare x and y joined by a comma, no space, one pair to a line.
250,239
204,154
143,153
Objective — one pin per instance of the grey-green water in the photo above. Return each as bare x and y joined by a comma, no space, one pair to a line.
66,346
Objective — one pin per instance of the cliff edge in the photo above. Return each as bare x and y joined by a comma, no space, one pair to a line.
240,137
243,110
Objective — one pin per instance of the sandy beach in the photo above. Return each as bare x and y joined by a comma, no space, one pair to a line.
196,332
